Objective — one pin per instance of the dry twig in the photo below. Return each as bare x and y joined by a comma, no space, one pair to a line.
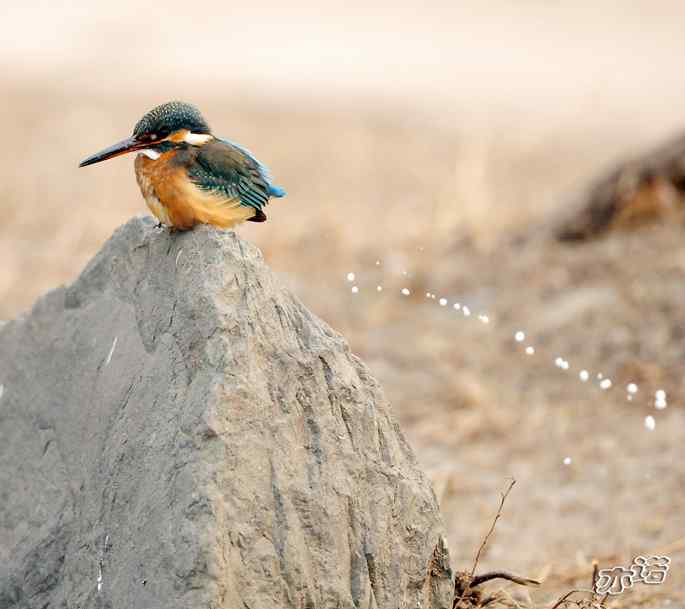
517,579
564,599
492,526
465,583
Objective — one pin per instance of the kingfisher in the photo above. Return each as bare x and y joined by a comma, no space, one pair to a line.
188,176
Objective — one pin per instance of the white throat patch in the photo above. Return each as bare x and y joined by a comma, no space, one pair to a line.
197,139
150,154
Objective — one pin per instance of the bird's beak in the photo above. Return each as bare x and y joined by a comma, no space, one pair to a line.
128,145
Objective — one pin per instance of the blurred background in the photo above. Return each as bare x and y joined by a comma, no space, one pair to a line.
424,146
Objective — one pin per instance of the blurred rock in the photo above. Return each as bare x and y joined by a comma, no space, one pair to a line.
178,431
635,193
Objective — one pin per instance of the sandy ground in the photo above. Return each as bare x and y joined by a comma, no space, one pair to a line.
446,179
479,409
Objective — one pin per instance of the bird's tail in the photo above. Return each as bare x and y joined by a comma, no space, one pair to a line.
276,191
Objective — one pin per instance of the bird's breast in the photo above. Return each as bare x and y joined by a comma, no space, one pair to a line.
163,184
176,201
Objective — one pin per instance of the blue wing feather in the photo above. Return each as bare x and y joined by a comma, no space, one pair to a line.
225,167
274,191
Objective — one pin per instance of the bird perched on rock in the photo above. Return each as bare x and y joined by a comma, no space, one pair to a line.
188,176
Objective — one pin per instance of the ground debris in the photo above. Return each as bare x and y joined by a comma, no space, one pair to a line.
467,595
466,592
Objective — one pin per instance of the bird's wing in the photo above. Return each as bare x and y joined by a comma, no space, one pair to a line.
265,174
227,170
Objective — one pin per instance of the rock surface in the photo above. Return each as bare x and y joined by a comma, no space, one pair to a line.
635,193
178,431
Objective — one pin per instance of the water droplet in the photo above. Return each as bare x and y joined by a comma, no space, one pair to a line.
530,350
605,384
405,291
350,276
650,423
660,395
456,306
379,288
484,318
560,362
584,375
443,302
355,289
378,262
466,311
567,460
631,388
520,336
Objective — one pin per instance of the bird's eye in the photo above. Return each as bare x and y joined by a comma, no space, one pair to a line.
152,136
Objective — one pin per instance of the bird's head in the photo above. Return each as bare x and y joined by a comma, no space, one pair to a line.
167,126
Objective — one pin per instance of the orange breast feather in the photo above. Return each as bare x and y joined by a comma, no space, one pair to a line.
177,202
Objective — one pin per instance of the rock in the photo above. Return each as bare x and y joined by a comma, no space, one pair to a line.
178,431
634,193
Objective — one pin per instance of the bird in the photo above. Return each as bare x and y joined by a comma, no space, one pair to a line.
188,176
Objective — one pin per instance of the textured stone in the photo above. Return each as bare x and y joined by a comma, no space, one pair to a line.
178,431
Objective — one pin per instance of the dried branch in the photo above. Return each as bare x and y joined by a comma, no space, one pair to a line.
492,526
595,575
517,579
468,581
564,599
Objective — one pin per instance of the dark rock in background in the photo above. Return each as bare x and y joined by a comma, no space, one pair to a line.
638,192
178,431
